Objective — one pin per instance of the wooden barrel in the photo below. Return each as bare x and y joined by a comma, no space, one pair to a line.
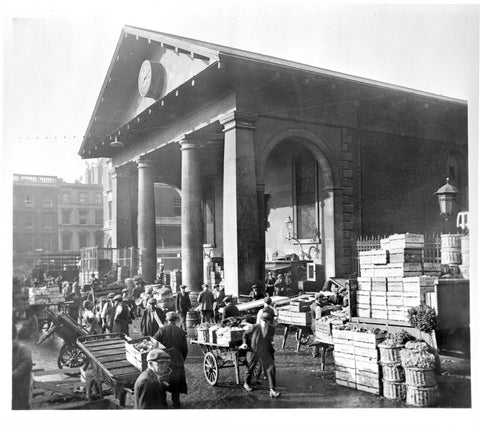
451,249
193,318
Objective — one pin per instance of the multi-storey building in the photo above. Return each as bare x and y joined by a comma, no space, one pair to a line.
52,216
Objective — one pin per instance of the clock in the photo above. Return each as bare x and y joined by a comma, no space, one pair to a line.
150,79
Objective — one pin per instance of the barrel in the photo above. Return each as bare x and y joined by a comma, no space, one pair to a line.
193,318
451,249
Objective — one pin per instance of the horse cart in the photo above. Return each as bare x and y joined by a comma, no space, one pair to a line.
221,356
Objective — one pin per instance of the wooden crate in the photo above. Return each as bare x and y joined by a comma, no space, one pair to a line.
379,256
365,354
363,297
371,366
406,240
395,284
364,310
345,373
369,338
394,298
378,298
379,313
137,358
344,348
406,255
227,335
343,359
342,334
379,284
368,379
300,306
364,284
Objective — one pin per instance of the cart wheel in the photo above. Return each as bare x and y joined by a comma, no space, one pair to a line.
93,388
210,368
71,356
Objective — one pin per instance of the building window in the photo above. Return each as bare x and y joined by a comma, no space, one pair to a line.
83,239
209,218
66,216
28,201
82,217
66,197
47,221
82,197
305,194
98,198
177,204
29,221
47,201
66,241
110,213
99,238
99,217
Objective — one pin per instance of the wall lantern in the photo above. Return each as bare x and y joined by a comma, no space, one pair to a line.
289,225
446,196
117,143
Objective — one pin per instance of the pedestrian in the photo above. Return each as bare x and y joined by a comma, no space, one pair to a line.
183,305
130,304
76,289
218,296
151,385
267,306
108,314
67,288
121,319
88,318
255,294
270,284
261,344
205,299
153,318
230,309
21,373
280,285
174,340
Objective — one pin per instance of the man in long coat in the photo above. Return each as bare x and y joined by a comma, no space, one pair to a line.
183,305
260,338
21,374
153,318
122,316
175,341
206,300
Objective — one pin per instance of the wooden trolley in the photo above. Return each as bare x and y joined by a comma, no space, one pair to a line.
221,356
109,366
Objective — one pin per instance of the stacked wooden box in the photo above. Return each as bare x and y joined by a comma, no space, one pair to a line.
136,357
228,335
38,295
295,317
356,359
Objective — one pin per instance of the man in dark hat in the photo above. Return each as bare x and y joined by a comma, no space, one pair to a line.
205,299
218,296
255,294
267,306
175,341
230,309
150,387
260,338
153,318
108,314
122,316
183,305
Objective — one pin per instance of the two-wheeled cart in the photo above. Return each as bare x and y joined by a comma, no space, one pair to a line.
70,355
221,356
109,366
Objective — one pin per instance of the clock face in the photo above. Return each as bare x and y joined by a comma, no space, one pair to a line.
145,78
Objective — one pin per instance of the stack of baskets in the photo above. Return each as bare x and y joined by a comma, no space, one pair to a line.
419,365
392,370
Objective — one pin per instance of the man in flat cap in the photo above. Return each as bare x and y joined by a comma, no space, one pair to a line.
183,305
255,294
122,316
150,387
206,300
175,341
108,314
260,338
230,309
153,318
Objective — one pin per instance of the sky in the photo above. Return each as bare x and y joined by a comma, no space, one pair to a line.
56,56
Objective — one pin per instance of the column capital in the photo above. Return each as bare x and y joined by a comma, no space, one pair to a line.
144,163
260,187
238,119
191,142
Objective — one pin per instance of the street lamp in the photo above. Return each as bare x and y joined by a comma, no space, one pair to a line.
446,195
116,143
289,225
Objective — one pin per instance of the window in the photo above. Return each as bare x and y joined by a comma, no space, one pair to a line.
47,201
209,218
82,197
110,213
177,204
99,217
98,198
83,239
28,201
66,216
66,241
99,238
47,221
82,217
29,221
66,197
305,192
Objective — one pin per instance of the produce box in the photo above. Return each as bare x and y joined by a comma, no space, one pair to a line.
342,334
406,255
394,298
138,349
380,271
406,240
228,335
367,271
364,310
395,284
385,243
379,313
344,359
300,306
294,318
417,282
365,354
212,334
344,373
379,256
399,313
363,297
202,334
378,298
340,349
364,283
369,338
379,284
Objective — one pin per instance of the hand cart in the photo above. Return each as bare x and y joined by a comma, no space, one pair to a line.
302,333
109,366
71,355
221,356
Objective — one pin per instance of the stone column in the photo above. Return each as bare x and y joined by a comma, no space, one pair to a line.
261,229
146,222
241,243
121,211
192,223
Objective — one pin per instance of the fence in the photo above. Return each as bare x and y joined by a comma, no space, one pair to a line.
431,251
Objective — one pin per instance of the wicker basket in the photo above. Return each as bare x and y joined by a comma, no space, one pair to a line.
393,372
394,390
420,377
422,396
390,354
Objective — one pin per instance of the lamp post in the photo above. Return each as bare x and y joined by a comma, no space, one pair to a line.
446,196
